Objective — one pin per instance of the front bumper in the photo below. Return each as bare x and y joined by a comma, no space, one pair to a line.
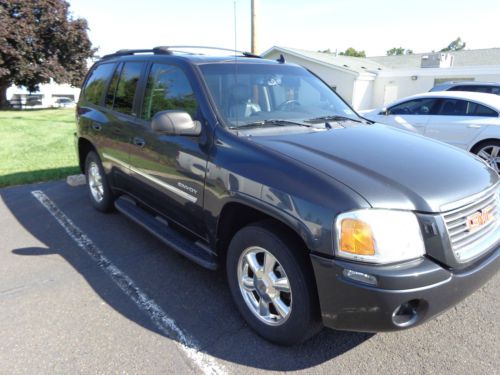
351,305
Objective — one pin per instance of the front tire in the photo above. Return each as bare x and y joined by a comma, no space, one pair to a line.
98,188
489,151
271,281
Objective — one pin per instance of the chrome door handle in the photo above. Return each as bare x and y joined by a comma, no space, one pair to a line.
139,142
472,126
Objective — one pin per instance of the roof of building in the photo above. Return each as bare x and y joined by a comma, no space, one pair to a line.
354,64
473,57
464,58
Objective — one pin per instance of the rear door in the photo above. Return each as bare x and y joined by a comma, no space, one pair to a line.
169,170
459,122
122,120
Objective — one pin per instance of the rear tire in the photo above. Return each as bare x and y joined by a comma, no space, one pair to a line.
271,281
98,188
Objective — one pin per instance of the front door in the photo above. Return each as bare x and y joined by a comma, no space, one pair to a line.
169,170
413,114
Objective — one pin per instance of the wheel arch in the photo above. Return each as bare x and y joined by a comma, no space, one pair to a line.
84,147
477,144
237,214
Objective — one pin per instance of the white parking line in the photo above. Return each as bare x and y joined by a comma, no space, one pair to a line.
162,321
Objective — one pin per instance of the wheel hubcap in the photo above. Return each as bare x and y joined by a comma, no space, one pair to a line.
491,155
264,286
95,182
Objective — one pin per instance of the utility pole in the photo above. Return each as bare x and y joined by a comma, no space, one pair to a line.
254,11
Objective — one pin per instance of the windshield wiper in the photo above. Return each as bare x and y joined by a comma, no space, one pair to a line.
333,118
276,122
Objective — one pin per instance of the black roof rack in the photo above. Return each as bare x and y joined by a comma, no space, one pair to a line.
170,50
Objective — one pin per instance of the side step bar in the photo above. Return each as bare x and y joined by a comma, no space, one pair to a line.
167,235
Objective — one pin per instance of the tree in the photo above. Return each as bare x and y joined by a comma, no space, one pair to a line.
39,40
456,45
352,52
399,51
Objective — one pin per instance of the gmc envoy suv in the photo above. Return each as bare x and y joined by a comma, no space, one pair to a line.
318,216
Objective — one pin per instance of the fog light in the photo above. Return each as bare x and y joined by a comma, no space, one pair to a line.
360,276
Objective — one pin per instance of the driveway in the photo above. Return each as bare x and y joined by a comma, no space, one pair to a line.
85,292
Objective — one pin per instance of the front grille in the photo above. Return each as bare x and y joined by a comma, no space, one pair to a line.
466,243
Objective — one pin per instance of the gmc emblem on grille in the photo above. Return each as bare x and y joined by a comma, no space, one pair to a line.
478,219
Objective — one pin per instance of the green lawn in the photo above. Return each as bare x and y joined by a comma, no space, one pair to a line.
36,145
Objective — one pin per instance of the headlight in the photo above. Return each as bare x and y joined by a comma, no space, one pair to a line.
378,236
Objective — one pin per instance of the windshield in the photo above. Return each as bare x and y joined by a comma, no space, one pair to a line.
272,95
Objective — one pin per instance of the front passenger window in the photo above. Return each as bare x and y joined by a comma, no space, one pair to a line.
168,88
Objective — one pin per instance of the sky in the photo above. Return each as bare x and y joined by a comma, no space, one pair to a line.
372,26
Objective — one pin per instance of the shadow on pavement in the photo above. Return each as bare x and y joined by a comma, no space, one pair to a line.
197,299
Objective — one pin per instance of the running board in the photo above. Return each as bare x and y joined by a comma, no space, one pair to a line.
167,235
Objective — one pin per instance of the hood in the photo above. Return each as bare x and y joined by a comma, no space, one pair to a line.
390,168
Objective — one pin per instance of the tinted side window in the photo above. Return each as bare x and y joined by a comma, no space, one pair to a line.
96,83
414,107
453,107
125,90
464,88
457,107
168,88
110,95
476,109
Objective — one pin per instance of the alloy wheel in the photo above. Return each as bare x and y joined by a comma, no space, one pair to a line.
491,154
95,182
264,286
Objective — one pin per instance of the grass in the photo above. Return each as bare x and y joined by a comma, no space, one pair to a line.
36,145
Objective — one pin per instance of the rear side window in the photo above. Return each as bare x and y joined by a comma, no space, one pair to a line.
168,88
476,109
414,107
96,83
126,87
457,107
110,95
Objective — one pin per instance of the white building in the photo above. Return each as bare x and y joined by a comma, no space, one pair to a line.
375,81
45,97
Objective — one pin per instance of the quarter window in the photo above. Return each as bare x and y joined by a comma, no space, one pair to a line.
168,88
96,83
126,87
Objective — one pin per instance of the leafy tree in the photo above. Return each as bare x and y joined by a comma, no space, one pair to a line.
456,45
352,52
399,51
39,40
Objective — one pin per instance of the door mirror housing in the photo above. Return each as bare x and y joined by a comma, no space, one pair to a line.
175,122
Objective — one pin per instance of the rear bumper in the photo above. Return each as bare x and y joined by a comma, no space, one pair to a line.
352,305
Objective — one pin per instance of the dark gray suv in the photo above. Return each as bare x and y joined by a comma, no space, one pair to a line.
318,217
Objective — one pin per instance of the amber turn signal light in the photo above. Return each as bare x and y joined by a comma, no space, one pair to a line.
356,237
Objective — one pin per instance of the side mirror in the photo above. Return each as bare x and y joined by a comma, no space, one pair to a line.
175,122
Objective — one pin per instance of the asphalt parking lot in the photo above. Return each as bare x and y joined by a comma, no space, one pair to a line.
85,292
